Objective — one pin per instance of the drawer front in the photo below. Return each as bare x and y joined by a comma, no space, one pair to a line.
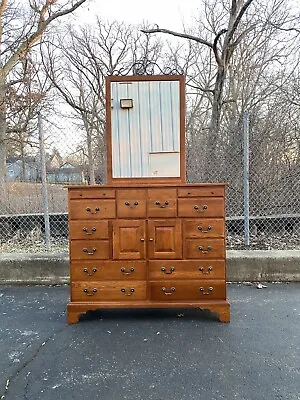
88,229
131,203
204,248
162,207
131,208
92,209
108,270
93,291
201,191
95,193
187,290
204,228
201,207
89,249
161,270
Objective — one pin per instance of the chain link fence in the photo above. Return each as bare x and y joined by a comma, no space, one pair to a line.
263,190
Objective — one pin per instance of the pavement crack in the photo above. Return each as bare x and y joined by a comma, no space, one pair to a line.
10,379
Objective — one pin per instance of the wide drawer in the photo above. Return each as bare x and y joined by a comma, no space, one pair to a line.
93,291
108,270
187,290
203,228
88,229
201,207
204,248
206,191
95,193
92,209
206,269
89,249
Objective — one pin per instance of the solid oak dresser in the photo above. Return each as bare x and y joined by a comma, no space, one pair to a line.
147,246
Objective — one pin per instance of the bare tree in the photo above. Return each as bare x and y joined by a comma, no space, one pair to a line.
78,63
20,30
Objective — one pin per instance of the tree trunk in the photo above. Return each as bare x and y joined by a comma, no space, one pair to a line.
2,137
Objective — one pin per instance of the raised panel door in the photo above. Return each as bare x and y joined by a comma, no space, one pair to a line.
129,239
164,239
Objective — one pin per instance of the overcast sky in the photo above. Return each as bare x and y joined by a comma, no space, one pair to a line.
166,13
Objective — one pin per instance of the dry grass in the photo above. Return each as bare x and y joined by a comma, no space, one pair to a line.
26,198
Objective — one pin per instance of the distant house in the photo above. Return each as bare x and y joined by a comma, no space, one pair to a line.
66,173
22,170
28,170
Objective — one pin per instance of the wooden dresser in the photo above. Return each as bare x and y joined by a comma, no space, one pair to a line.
149,245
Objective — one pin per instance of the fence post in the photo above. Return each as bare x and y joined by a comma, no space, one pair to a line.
44,182
246,178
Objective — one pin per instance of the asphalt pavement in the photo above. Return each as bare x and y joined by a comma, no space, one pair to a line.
150,354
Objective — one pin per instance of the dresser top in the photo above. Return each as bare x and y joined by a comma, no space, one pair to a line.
145,185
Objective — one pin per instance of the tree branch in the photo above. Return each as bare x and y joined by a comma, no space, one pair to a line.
178,34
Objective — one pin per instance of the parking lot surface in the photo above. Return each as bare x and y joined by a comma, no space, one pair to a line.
150,354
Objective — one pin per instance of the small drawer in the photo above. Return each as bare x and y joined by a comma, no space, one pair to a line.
108,270
187,290
131,208
162,207
93,193
204,248
92,209
204,228
177,269
89,249
201,207
88,229
206,191
93,291
133,193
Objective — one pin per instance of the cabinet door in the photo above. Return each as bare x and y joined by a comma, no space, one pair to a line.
128,239
164,239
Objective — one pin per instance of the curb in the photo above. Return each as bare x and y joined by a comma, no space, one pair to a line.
242,266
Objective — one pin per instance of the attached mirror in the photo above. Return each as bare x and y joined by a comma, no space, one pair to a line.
145,127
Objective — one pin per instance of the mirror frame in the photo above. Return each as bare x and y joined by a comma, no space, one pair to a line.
136,78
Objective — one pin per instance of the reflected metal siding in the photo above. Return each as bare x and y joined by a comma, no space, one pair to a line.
152,125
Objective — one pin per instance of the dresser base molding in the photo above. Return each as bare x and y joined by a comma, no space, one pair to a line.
221,307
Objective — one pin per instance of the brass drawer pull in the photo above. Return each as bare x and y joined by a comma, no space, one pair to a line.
123,290
164,205
136,203
90,293
172,290
85,230
204,207
209,269
202,291
209,228
127,272
89,253
200,248
171,270
88,210
86,271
